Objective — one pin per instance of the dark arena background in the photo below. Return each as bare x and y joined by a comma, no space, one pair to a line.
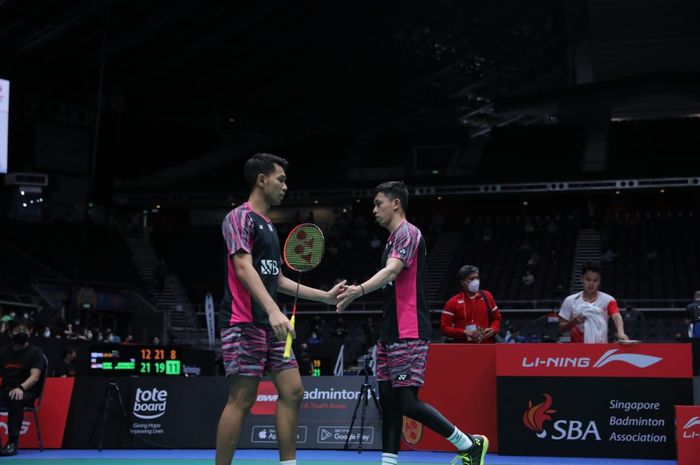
534,136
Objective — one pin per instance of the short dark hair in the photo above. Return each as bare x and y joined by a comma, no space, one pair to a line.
12,324
68,350
261,163
394,190
465,271
591,266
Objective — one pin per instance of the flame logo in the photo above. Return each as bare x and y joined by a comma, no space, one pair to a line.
535,415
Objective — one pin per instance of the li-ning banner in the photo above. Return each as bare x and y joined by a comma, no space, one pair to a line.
591,413
688,434
595,360
184,412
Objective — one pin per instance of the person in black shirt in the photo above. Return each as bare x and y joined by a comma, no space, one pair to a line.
65,368
20,366
693,312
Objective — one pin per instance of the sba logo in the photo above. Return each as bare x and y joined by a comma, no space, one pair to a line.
569,430
269,267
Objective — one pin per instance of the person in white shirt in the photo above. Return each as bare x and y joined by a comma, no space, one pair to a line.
585,314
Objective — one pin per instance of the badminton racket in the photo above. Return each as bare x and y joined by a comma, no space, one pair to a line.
303,251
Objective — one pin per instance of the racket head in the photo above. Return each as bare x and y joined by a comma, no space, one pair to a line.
304,247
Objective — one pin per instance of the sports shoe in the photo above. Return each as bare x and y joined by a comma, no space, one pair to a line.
9,450
475,454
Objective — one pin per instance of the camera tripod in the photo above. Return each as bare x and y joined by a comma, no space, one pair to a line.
365,391
112,394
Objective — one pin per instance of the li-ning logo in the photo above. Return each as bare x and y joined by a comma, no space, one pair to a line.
535,416
150,403
637,360
687,428
22,431
269,267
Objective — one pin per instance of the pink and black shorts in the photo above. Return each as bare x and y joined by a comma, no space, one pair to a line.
403,362
250,349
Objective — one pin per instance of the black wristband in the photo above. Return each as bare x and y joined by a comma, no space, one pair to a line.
363,289
21,388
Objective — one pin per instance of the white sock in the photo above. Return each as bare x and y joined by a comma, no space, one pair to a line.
288,462
389,459
460,440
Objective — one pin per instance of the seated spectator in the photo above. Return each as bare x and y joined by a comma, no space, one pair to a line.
693,317
313,338
65,368
608,256
632,314
533,260
21,365
528,278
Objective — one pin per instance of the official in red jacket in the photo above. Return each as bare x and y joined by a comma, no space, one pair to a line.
472,315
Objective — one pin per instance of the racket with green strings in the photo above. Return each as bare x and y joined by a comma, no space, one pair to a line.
303,251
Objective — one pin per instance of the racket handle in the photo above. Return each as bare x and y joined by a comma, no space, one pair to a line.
288,345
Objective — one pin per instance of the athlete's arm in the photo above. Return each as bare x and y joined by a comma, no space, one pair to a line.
380,279
619,326
568,325
289,287
245,271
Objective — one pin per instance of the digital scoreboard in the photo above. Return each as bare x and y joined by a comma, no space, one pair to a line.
135,360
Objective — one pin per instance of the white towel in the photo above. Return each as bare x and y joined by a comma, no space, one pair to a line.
595,326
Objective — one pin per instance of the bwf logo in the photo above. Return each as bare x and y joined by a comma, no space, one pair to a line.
150,403
568,430
269,267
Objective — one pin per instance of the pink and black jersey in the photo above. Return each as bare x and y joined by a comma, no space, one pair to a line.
406,314
247,231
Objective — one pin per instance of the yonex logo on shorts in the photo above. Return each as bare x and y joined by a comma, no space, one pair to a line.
403,377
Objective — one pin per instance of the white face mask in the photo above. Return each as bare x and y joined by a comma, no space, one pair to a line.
473,285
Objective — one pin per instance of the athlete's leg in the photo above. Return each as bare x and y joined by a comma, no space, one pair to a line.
241,397
291,392
426,414
244,350
407,362
392,417
285,376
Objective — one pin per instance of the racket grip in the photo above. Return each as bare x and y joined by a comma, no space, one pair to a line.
288,345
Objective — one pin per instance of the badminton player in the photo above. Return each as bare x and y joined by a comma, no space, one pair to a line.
253,337
402,349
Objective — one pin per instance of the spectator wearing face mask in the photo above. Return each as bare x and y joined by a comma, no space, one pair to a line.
21,365
471,315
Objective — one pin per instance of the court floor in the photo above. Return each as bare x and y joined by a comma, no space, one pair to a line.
304,457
